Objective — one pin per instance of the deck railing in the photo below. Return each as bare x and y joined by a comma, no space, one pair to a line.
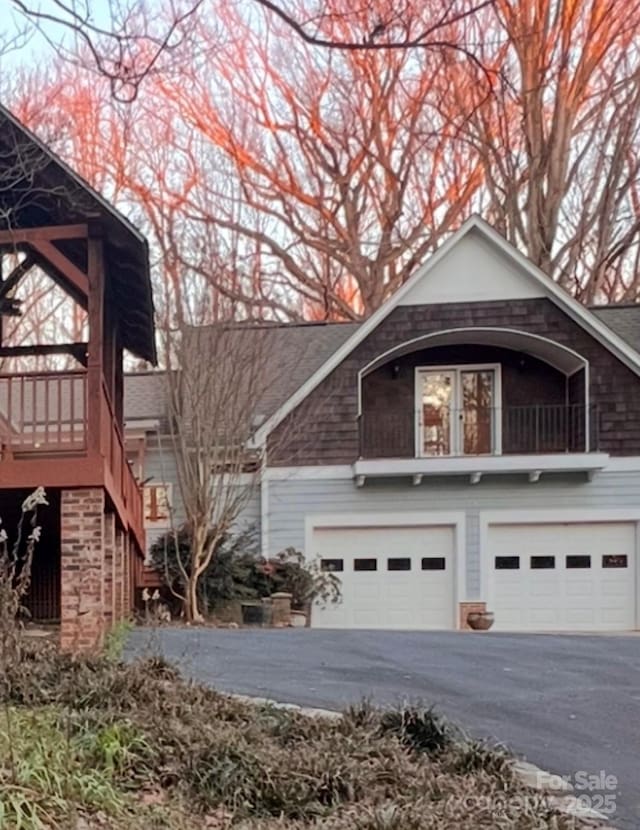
526,430
43,412
113,449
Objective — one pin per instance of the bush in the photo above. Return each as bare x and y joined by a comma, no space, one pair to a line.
237,572
107,741
305,581
232,573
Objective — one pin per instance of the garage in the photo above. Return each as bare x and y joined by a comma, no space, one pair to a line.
391,577
562,576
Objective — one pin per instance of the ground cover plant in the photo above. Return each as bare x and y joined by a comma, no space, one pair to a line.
95,743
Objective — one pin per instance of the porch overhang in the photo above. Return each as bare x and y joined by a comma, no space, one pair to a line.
476,467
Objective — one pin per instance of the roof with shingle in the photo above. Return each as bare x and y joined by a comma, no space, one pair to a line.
297,350
294,352
624,320
144,397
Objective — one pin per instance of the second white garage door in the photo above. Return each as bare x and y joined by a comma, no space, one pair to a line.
562,577
391,577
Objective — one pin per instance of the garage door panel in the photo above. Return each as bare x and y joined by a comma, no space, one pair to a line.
393,596
567,596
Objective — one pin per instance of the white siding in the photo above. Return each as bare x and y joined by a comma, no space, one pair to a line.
160,467
290,501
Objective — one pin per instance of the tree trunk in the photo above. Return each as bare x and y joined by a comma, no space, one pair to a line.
191,604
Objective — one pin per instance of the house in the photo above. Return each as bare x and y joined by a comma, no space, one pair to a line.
63,429
474,444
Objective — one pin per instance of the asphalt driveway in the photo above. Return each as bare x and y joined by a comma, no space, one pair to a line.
570,704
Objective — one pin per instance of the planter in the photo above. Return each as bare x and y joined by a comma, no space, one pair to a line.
267,612
480,620
298,619
252,613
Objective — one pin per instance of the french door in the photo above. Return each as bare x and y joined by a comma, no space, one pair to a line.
457,411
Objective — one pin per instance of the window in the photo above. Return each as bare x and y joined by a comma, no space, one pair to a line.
540,563
507,563
332,565
610,560
578,561
365,564
433,563
399,563
457,410
157,503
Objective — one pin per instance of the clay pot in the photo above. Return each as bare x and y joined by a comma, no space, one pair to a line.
480,620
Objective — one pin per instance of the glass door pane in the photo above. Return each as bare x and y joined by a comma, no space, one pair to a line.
436,412
478,421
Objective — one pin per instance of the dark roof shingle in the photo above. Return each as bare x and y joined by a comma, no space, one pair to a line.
624,320
294,352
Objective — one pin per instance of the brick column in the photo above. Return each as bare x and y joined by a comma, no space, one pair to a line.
82,569
109,568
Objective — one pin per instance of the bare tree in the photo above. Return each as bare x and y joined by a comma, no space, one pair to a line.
219,394
560,138
119,40
353,26
337,170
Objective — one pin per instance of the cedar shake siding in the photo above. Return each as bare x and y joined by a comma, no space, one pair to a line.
324,429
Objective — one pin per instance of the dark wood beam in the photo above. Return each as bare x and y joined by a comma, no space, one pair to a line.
10,307
95,266
76,350
76,279
16,275
25,236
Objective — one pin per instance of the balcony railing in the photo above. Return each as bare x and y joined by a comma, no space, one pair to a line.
440,432
47,414
43,412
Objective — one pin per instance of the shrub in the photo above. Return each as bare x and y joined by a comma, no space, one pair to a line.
237,572
232,572
305,581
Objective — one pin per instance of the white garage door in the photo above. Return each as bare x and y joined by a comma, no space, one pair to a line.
557,577
391,577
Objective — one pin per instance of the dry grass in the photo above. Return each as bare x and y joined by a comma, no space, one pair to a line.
134,746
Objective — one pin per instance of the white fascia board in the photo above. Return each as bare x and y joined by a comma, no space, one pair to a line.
468,465
574,309
396,518
626,463
337,471
586,319
559,516
141,425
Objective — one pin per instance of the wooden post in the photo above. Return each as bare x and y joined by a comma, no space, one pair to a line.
95,268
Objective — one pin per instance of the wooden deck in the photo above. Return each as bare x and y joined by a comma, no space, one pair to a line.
45,441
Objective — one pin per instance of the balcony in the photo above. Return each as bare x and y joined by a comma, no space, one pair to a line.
45,439
445,432
476,441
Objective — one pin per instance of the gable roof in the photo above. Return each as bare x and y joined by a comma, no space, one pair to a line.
39,189
589,321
